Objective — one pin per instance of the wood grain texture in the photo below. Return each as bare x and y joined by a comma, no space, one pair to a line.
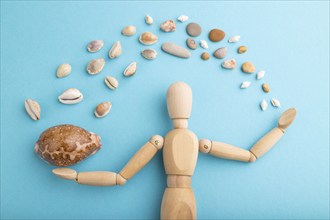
179,100
267,142
227,151
97,178
178,181
287,118
139,160
180,152
178,203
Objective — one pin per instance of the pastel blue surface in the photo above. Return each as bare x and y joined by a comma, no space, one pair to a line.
290,40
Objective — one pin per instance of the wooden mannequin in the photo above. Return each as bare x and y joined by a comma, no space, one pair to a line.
180,156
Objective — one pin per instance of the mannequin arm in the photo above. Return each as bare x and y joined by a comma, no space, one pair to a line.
226,151
104,178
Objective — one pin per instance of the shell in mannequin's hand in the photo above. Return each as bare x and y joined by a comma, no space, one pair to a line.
65,145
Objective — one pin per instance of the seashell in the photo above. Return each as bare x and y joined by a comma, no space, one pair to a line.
245,85
129,30
149,20
220,53
130,69
63,70
65,145
183,18
263,105
241,49
275,103
229,64
191,43
149,54
234,39
95,46
111,82
102,109
71,96
168,26
115,50
95,66
32,107
261,74
204,44
148,38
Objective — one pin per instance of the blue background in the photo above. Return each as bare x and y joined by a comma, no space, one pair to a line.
290,40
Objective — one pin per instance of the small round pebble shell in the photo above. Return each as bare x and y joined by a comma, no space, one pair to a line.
205,56
242,49
220,53
265,88
248,67
216,35
194,29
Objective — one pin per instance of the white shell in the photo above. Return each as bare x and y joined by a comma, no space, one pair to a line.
111,82
245,85
130,69
71,96
95,66
275,103
149,19
263,105
204,44
261,74
129,30
115,50
234,39
183,18
229,64
63,70
32,107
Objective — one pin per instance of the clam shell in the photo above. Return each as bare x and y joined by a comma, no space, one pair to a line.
148,38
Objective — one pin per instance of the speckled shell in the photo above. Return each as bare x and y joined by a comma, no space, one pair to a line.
65,145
